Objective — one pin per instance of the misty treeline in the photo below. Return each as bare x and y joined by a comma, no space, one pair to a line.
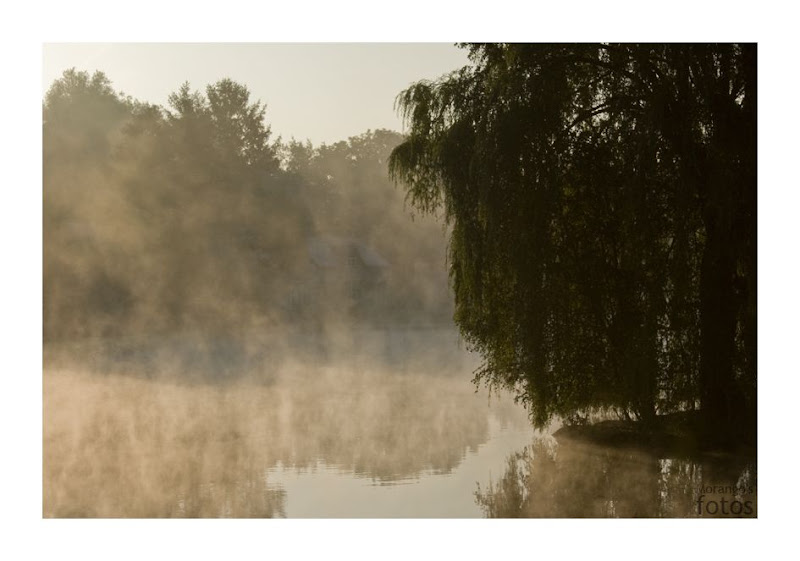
602,199
190,218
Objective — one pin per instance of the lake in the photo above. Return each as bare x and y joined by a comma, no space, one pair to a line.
345,438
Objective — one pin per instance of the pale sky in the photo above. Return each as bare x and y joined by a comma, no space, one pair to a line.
324,92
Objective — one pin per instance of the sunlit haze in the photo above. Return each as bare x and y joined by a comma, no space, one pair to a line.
321,92
538,301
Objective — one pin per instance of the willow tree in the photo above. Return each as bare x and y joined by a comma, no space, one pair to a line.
601,199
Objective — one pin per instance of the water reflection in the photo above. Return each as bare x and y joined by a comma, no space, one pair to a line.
347,442
325,492
117,446
573,479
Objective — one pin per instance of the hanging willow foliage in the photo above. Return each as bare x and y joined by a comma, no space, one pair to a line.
577,180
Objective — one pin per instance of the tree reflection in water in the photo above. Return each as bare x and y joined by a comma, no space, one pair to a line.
118,446
572,479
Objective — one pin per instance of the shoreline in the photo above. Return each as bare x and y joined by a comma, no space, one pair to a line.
675,435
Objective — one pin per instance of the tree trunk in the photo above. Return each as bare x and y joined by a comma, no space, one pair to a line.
717,336
729,219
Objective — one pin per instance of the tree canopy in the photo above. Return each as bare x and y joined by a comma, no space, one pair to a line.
190,218
602,202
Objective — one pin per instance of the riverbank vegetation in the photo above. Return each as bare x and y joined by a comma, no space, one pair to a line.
189,222
602,199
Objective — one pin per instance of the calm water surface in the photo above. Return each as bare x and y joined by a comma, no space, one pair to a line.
346,441
323,491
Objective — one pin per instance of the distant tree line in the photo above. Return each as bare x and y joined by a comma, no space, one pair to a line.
191,217
602,199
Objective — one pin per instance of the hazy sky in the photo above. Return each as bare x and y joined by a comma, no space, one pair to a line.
323,92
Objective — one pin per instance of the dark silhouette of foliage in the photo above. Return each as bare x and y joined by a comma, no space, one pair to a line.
602,204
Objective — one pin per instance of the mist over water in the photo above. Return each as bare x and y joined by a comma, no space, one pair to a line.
131,446
218,306
241,327
352,440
